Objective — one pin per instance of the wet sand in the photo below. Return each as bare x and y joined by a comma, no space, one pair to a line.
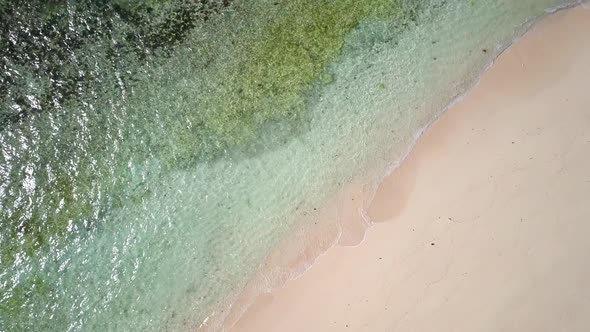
485,225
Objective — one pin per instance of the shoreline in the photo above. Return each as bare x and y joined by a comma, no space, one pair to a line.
253,312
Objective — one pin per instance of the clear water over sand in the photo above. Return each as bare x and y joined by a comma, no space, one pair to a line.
132,201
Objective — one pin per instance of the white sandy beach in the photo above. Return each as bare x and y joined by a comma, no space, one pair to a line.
485,225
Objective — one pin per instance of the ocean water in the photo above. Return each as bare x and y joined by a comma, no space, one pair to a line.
153,153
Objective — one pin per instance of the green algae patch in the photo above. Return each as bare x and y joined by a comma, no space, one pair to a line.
276,71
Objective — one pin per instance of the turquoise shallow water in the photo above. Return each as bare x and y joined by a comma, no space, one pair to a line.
154,153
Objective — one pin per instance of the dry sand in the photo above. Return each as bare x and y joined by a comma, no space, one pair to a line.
486,226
